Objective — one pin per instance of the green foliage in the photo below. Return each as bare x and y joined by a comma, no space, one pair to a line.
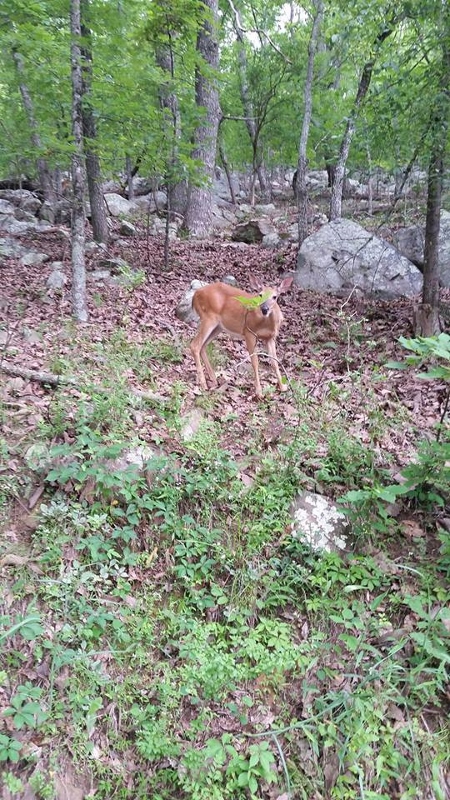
25,709
426,350
254,302
9,749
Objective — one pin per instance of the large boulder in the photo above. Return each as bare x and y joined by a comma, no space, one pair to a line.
118,206
9,248
342,255
410,242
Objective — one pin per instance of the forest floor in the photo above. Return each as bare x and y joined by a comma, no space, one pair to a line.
163,636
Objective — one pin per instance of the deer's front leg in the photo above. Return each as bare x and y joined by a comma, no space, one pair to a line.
252,342
272,351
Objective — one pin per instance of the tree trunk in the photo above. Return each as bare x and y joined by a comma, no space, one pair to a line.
177,186
129,172
339,176
300,183
99,219
45,178
252,128
198,218
78,215
427,315
226,167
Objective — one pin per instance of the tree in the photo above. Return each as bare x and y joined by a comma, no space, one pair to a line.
78,182
252,126
300,182
198,217
45,178
98,211
176,184
363,87
427,319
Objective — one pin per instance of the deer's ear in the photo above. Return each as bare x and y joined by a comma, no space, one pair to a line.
285,284
254,283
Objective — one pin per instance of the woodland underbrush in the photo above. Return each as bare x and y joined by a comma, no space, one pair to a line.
163,635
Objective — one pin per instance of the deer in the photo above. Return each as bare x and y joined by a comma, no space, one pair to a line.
219,308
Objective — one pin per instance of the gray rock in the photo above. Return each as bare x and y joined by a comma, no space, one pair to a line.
47,212
7,208
31,204
341,256
23,215
9,248
271,240
190,424
94,247
33,258
253,231
127,229
244,209
221,218
145,204
444,249
118,206
56,280
268,209
410,242
11,225
100,275
318,523
16,196
184,310
116,266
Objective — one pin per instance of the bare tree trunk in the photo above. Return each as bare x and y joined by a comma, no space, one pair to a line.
427,316
78,214
45,178
369,182
129,171
99,219
226,167
407,171
300,184
364,83
198,218
177,186
252,128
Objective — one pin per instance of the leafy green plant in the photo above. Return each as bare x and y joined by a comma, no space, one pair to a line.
25,709
258,767
348,461
222,771
28,626
368,509
432,351
42,785
9,749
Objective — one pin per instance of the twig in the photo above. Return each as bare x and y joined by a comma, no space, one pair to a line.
39,377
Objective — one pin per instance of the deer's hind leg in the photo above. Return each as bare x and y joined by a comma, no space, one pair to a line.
207,331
